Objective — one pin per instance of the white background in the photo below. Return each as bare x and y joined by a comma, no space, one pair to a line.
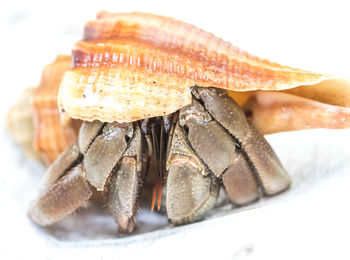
309,221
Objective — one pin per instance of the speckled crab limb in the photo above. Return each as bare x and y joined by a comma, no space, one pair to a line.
60,166
125,184
191,189
260,155
104,153
65,186
87,134
231,148
61,199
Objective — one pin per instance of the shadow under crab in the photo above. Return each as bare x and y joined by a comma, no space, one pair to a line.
203,145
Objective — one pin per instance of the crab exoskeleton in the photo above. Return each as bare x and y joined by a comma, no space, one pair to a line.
205,144
151,94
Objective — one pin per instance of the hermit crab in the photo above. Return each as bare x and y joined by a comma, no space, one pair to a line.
144,95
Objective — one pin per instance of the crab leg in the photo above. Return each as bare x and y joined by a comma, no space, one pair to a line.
255,148
60,166
87,134
220,153
125,184
239,182
61,199
191,189
104,153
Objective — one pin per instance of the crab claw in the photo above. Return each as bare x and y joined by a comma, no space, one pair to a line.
191,189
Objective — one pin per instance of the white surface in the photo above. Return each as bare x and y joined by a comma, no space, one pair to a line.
311,220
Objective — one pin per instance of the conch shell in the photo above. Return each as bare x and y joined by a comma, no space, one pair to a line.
134,66
51,135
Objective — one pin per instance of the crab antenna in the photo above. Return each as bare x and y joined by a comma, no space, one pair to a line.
154,195
157,190
157,149
159,143
160,185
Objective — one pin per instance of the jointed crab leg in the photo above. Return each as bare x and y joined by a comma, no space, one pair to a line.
239,182
220,152
61,199
104,153
259,153
66,184
60,166
125,184
87,134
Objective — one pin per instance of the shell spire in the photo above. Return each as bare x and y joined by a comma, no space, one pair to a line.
131,66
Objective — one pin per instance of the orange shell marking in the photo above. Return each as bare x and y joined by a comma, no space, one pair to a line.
134,65
51,136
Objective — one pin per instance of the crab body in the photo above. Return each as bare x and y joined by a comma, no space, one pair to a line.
204,144
151,93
